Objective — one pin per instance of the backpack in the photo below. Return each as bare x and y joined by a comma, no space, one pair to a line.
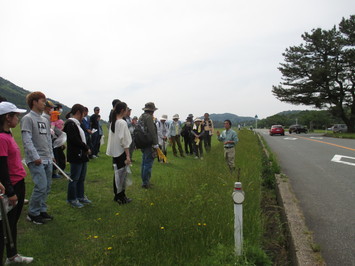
141,137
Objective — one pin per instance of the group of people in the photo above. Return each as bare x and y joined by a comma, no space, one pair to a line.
42,127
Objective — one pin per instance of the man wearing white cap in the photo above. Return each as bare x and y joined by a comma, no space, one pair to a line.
163,130
174,133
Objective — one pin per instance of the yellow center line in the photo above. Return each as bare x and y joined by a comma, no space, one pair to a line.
351,149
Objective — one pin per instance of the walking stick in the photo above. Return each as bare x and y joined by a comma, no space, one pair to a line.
60,170
5,224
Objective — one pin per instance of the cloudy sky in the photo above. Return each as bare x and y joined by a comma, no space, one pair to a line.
186,56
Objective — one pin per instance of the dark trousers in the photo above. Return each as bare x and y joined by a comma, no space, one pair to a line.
119,161
59,157
198,149
207,141
13,217
176,140
95,140
188,145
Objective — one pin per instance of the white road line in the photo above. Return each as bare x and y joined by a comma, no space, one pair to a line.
316,137
338,159
290,138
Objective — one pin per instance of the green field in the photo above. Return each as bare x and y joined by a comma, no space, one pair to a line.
185,219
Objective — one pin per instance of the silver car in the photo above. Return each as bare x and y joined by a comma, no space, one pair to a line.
339,128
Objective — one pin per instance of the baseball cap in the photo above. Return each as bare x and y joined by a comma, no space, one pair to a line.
50,104
7,107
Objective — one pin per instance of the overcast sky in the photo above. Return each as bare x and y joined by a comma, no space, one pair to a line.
186,56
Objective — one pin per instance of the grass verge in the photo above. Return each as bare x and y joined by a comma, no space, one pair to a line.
185,219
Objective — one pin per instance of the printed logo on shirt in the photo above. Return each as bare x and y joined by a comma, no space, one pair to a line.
42,128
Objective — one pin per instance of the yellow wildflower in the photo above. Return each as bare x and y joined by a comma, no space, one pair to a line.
109,248
96,237
162,228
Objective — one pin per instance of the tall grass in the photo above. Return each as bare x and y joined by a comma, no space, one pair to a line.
185,219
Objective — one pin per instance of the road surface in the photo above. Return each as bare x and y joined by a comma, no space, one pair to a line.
322,174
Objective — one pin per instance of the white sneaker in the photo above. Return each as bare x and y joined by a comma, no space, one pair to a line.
18,259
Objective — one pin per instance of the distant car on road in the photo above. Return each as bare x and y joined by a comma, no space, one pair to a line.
297,129
339,128
277,130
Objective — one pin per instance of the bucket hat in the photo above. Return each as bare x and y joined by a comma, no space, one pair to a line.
164,117
176,116
150,106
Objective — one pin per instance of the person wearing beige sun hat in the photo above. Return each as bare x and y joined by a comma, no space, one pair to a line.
174,134
148,152
163,131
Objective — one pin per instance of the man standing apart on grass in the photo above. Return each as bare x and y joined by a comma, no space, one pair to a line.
149,152
37,144
230,139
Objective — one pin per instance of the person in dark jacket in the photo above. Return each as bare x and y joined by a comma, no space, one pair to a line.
198,132
77,155
148,153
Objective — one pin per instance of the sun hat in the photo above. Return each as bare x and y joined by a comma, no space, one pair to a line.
150,106
176,116
7,107
164,117
50,104
198,119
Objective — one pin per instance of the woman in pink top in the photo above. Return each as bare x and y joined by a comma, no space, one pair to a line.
12,176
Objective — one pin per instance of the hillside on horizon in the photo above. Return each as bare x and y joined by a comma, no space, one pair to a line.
17,95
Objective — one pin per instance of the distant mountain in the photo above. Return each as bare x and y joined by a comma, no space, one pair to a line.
235,119
17,95
290,112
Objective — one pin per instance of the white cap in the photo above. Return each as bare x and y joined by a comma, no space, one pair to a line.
7,107
176,116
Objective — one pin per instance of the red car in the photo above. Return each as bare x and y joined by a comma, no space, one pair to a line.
277,129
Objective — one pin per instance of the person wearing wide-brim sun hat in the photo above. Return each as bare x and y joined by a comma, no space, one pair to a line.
198,132
149,152
12,175
174,134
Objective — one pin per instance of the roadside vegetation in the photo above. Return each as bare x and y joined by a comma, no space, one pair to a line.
185,219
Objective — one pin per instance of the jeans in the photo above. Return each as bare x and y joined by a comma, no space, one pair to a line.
76,187
147,164
42,179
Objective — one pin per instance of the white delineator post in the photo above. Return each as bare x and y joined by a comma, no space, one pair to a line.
238,198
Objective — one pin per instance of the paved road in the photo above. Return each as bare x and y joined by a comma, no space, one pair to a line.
322,174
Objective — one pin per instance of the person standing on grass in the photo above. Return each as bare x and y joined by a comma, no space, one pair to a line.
174,134
54,134
95,137
78,156
149,152
12,175
230,139
37,144
208,127
186,134
119,141
163,131
198,133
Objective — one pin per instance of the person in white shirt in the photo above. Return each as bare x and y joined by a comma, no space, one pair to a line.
119,140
